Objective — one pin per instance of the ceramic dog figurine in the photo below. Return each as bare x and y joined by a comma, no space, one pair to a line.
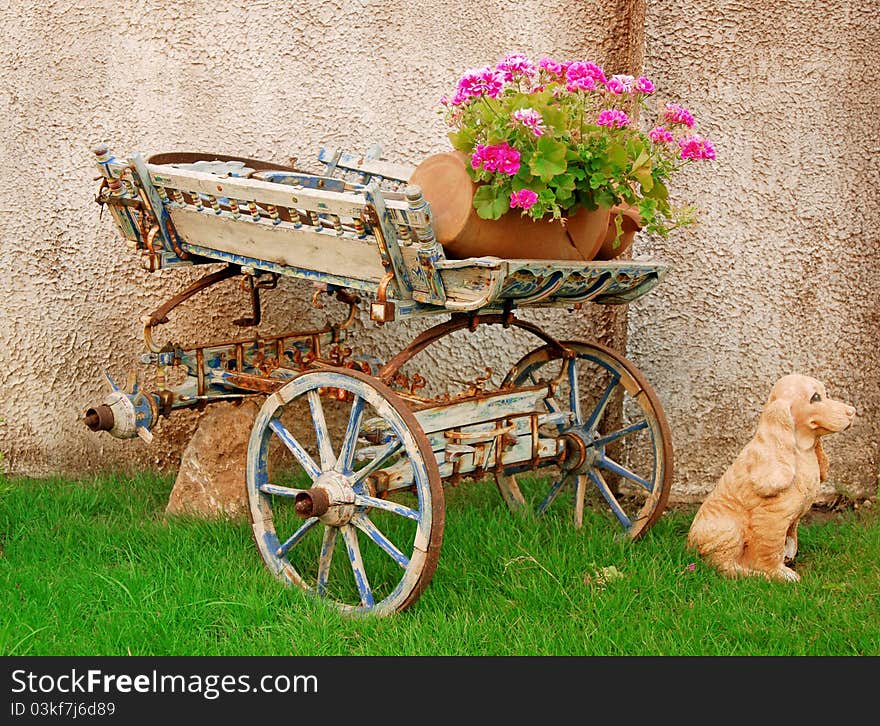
747,525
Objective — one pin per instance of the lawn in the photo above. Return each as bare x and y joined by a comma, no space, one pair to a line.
93,567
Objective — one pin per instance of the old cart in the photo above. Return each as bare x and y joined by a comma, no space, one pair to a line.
348,454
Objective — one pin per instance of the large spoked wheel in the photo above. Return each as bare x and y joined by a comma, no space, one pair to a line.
618,443
322,452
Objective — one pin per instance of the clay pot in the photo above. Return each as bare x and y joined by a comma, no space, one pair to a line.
446,185
631,223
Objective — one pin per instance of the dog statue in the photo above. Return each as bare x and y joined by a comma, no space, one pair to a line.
747,525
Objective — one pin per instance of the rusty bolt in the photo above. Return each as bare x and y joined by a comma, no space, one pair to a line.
312,503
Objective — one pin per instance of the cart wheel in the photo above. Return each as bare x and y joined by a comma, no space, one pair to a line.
616,434
322,451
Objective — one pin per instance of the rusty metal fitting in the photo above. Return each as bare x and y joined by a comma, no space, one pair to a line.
99,418
312,503
575,453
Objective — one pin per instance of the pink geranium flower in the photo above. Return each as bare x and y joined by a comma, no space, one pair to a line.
516,65
479,82
613,118
644,85
529,118
583,76
502,158
661,135
524,199
696,147
676,114
620,84
552,67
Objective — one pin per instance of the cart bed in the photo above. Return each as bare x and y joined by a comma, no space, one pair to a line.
357,235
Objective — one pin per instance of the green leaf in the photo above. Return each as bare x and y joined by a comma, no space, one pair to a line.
644,178
658,191
643,159
463,140
491,202
564,183
617,154
548,159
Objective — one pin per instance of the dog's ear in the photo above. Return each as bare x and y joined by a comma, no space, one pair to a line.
823,460
770,458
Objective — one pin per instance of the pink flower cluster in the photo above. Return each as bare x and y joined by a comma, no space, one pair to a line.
660,135
552,67
524,199
478,82
531,119
696,147
583,76
516,65
676,114
500,157
621,84
613,118
644,85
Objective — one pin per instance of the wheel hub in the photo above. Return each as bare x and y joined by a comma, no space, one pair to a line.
580,454
331,499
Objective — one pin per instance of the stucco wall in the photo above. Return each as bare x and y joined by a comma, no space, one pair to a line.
782,275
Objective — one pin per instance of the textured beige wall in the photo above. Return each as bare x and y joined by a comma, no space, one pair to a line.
782,275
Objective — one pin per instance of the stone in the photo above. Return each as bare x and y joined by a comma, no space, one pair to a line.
211,479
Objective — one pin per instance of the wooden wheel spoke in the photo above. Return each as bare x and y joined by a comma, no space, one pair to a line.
619,434
363,500
605,490
614,467
551,495
296,536
384,454
552,404
325,557
279,491
580,488
574,390
349,535
602,404
325,447
365,525
349,444
299,453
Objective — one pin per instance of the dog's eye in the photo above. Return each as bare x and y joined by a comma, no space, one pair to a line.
816,398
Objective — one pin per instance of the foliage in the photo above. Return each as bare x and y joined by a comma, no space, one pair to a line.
547,138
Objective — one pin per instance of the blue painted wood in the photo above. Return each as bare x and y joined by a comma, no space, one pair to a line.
157,206
389,245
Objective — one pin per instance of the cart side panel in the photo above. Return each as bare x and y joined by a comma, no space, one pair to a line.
281,244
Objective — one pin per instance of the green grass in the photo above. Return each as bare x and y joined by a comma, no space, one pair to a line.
94,568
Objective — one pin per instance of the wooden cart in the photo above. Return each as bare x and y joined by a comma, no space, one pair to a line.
348,455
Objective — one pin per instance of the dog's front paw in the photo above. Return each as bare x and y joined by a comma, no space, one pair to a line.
787,574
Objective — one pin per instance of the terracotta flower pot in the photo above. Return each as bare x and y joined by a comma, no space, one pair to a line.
446,185
631,223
